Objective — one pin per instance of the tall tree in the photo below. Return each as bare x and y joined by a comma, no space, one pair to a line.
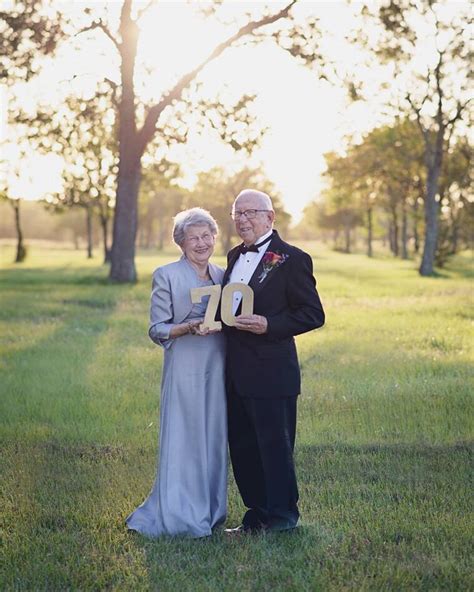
381,173
134,139
83,133
28,28
7,195
426,46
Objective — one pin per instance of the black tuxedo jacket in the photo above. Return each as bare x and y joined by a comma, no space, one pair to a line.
266,366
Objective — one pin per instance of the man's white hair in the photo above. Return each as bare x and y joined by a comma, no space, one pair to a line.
264,200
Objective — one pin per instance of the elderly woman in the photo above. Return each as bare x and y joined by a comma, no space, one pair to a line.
189,493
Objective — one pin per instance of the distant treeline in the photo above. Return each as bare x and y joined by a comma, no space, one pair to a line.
377,190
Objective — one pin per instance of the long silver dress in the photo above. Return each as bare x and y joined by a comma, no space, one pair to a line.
189,495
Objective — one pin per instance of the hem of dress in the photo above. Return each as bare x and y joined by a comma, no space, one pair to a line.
155,535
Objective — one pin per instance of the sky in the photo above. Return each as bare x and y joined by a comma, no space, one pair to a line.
306,117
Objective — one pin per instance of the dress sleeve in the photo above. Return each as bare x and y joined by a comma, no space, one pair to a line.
161,310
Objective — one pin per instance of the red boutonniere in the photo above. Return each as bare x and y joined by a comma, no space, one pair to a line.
271,261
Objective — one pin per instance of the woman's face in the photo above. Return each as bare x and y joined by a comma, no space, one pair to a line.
198,243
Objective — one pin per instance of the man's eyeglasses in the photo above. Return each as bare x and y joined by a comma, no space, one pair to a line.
249,214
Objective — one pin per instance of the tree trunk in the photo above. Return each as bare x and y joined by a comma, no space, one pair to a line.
404,230
20,247
347,238
369,232
89,231
104,224
431,216
416,234
394,232
128,181
125,225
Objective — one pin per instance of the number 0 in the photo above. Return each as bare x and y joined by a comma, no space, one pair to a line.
226,303
227,300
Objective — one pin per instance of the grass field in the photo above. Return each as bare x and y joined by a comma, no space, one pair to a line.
384,447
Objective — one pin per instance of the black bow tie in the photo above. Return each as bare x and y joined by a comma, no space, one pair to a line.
254,248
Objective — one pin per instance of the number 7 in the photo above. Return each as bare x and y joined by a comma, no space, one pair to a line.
226,304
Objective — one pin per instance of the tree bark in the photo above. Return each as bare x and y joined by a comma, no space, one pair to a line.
431,211
128,181
434,149
20,247
125,223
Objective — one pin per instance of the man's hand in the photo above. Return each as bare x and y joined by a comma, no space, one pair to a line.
253,323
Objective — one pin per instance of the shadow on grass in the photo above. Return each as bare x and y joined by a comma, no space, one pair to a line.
38,380
393,512
68,275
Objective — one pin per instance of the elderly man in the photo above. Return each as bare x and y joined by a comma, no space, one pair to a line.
262,372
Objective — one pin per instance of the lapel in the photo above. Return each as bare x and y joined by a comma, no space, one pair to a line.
215,273
276,245
233,256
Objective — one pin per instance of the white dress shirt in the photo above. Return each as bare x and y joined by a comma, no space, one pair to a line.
245,267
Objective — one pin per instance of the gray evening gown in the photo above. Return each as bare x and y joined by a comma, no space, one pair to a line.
189,495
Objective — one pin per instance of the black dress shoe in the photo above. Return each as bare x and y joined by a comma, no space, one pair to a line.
244,529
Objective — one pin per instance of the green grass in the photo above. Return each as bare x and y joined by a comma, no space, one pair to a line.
384,447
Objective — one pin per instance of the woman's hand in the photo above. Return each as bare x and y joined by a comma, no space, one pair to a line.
202,331
185,328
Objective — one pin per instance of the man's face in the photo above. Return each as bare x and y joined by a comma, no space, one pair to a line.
251,230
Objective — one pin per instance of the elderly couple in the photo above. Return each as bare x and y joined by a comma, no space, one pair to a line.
240,384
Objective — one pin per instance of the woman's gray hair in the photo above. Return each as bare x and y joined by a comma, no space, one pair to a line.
192,217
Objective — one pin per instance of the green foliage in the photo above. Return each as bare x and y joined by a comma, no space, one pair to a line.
27,28
380,183
426,46
217,189
383,452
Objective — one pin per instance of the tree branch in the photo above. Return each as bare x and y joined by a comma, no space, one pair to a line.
417,111
99,24
145,9
439,90
148,129
459,110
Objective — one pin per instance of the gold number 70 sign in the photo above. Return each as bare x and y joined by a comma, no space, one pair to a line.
226,303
